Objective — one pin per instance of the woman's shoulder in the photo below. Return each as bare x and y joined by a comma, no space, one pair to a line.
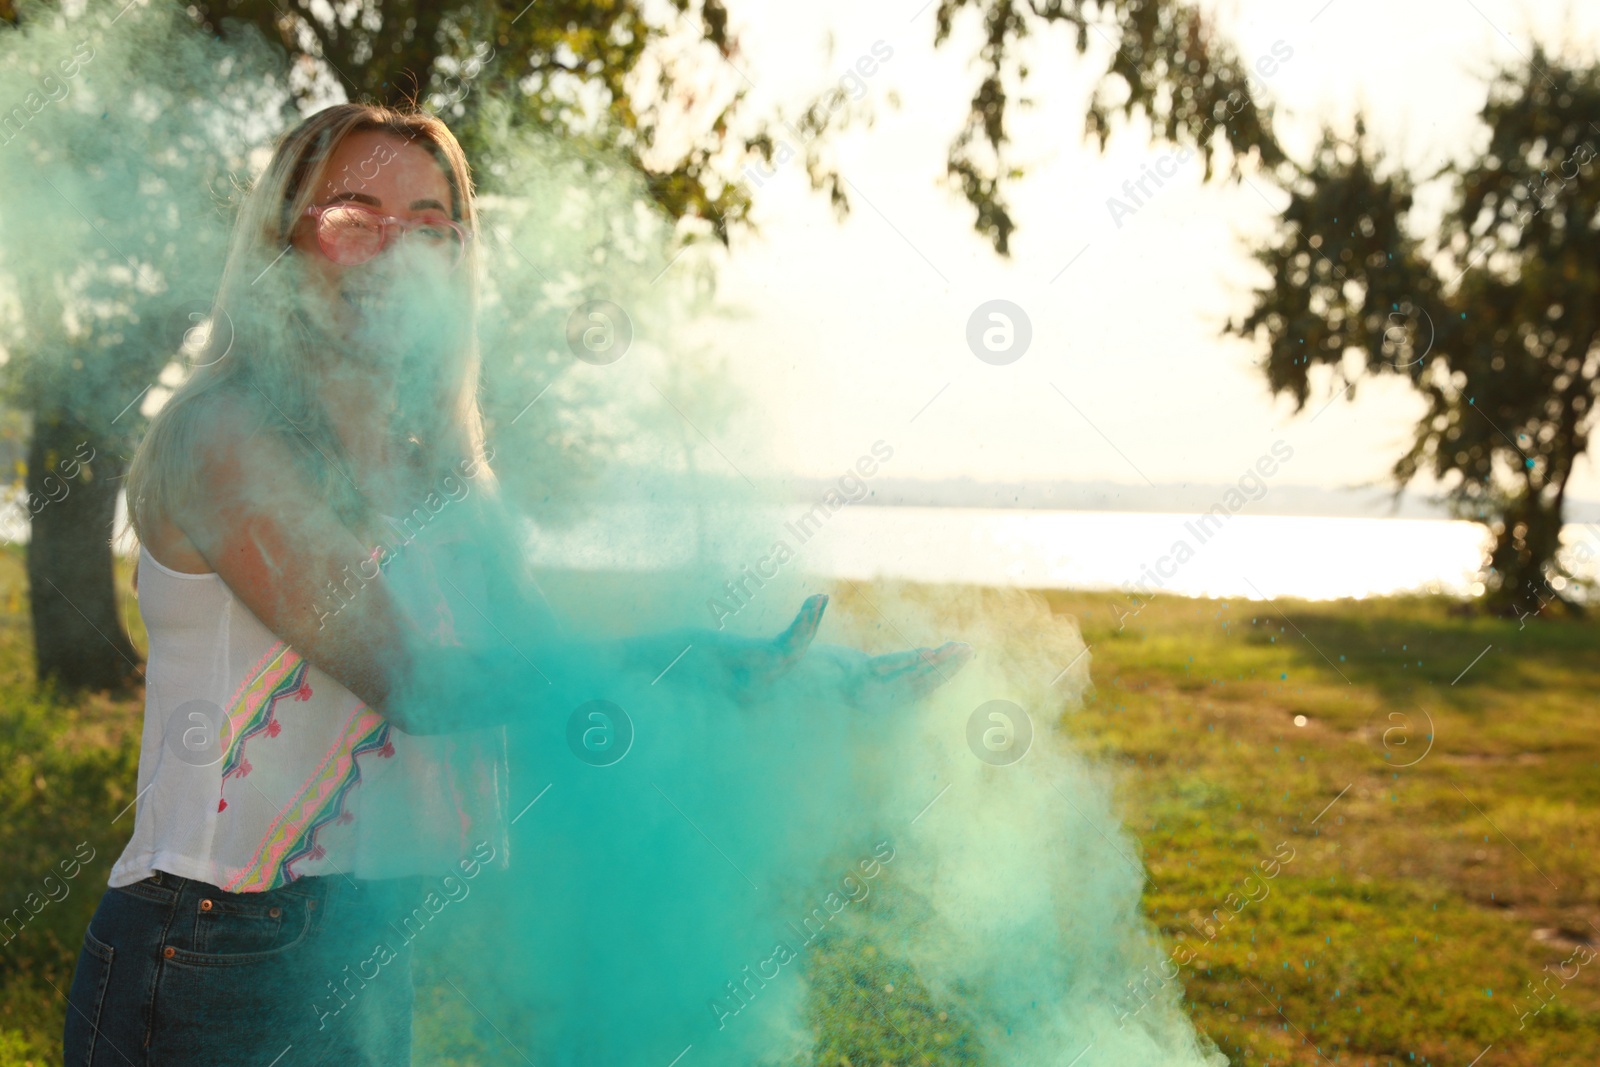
229,445
224,411
229,427
192,465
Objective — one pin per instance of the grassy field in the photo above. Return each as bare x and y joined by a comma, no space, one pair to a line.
1443,858
66,768
1431,883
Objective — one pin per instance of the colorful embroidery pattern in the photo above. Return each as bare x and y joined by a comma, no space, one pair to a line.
279,673
291,837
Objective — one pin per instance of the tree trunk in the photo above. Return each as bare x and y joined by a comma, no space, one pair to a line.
72,484
1526,543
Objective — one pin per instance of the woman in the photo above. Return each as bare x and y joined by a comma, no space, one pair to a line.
321,723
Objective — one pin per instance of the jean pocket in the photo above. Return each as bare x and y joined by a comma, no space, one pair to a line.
237,928
85,999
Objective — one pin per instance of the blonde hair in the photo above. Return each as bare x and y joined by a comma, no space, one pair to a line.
253,355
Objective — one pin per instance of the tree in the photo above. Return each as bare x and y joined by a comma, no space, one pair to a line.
1493,320
655,85
104,246
1168,64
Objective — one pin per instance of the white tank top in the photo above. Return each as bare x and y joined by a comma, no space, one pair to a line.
256,768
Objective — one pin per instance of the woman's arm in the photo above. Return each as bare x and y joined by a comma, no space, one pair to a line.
744,667
729,663
523,618
282,550
262,526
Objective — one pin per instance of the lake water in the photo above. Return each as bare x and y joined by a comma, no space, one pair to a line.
1250,556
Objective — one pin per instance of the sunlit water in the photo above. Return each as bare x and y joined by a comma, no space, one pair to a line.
1251,556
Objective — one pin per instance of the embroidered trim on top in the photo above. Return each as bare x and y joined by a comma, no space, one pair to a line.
279,673
291,837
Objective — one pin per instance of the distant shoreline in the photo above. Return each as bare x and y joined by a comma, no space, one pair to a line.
1296,500
621,485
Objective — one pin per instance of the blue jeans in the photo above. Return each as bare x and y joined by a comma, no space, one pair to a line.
174,972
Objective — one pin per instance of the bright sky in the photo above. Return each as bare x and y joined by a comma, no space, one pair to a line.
849,333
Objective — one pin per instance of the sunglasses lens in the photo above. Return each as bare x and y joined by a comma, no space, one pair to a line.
349,236
439,237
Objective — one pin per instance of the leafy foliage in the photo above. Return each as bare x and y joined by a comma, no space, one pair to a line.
1493,318
1168,66
615,72
618,74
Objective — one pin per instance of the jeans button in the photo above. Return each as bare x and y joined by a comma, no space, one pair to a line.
169,952
275,912
205,905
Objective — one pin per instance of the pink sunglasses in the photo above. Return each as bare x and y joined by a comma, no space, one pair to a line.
350,233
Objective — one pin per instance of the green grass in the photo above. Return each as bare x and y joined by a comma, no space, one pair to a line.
67,768
1420,900
1438,882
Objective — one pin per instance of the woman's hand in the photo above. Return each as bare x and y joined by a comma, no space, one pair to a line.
892,680
748,665
839,673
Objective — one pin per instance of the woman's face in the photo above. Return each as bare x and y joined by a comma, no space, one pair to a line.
392,176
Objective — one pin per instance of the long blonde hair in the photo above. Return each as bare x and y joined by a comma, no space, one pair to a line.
255,355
